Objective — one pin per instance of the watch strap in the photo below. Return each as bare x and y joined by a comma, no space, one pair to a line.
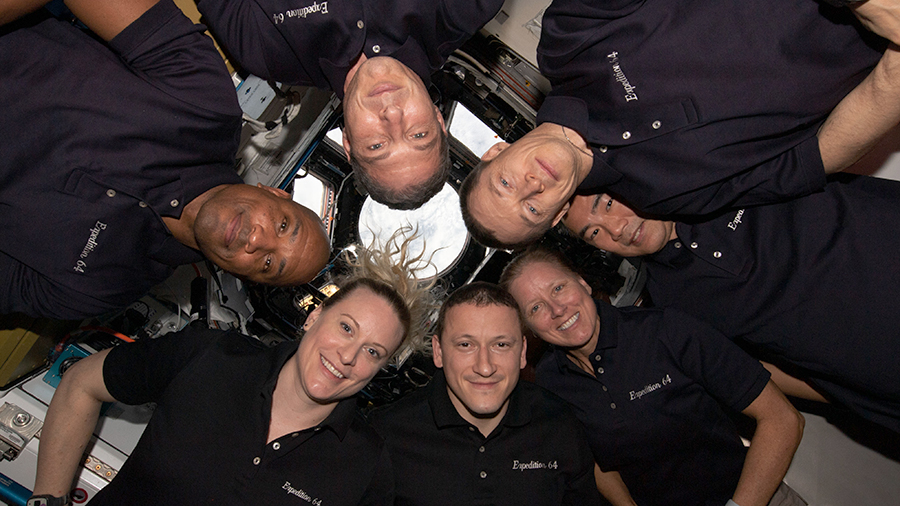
48,500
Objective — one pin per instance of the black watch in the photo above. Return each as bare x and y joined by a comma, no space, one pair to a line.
48,500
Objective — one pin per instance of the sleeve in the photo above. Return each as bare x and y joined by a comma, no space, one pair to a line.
137,373
724,370
176,56
380,491
24,290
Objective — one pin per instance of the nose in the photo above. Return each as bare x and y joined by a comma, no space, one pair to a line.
556,309
348,353
533,183
391,113
258,238
614,226
484,363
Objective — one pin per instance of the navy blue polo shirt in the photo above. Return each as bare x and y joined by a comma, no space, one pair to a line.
206,442
654,412
316,42
101,141
695,106
814,282
538,455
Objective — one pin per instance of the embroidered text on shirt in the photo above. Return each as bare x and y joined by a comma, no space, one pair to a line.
302,12
89,247
620,76
649,388
733,225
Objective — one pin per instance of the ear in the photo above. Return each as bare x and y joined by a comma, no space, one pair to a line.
436,351
312,317
585,285
493,151
440,118
562,212
345,140
523,360
278,192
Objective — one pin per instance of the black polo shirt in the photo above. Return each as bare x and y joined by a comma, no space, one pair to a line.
694,106
100,142
538,455
814,282
654,412
316,42
206,441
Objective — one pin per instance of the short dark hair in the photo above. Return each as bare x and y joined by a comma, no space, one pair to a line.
478,232
481,294
410,197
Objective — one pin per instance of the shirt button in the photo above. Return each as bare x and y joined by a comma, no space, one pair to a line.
481,449
597,357
174,203
376,48
717,254
482,474
603,149
600,370
604,388
612,405
360,24
142,204
256,461
677,244
317,429
694,245
295,434
276,446
656,124
626,135
110,193
471,429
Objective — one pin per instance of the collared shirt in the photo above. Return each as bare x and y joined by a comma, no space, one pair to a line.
316,43
206,442
538,455
108,140
654,409
699,106
813,282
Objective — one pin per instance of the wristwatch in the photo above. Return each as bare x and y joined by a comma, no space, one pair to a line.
48,500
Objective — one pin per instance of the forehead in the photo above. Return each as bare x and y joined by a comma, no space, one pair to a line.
489,319
535,277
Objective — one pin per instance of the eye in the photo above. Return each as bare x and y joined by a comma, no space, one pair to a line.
374,147
533,210
558,288
609,203
503,345
420,135
267,264
346,328
373,352
283,225
504,182
593,234
534,309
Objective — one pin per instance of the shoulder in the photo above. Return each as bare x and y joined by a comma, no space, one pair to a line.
408,410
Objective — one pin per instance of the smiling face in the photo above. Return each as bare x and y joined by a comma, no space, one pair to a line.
345,345
481,350
525,188
391,126
557,306
610,225
259,233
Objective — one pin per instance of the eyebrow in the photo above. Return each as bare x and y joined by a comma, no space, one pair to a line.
593,208
293,239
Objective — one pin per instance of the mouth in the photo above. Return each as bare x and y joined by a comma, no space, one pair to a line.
233,229
328,365
383,88
571,321
548,170
637,235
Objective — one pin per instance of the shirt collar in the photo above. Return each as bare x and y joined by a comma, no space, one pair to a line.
608,338
340,418
410,54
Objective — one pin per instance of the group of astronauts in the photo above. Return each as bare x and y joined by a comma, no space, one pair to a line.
707,137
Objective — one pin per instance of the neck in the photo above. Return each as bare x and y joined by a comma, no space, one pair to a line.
584,154
182,228
484,424
292,410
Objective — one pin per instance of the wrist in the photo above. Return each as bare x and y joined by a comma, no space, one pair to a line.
48,500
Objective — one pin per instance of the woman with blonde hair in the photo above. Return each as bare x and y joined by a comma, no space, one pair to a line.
239,423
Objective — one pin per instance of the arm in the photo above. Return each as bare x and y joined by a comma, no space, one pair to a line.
612,487
862,118
71,419
879,16
108,17
11,10
793,386
778,430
